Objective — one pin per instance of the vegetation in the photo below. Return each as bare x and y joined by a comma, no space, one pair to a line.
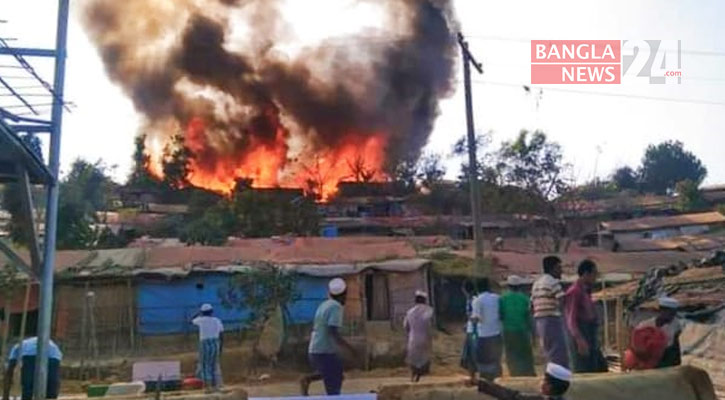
689,196
448,264
625,178
261,291
666,164
533,163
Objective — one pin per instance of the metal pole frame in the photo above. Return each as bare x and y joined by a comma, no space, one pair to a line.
45,304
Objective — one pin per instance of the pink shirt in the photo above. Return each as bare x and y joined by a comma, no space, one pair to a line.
579,307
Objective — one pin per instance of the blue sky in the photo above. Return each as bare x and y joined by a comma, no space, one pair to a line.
599,127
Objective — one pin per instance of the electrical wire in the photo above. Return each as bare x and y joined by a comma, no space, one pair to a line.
610,94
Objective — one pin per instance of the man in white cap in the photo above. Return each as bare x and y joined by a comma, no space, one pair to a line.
210,347
517,328
326,341
668,322
555,384
418,324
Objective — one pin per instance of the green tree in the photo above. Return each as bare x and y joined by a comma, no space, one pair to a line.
83,192
75,230
262,290
268,213
431,170
689,196
405,173
666,164
625,178
140,176
88,186
212,228
534,163
176,167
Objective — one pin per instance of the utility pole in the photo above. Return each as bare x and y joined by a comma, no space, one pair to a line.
480,268
45,302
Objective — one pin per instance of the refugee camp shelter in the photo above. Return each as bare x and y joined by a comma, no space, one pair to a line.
146,297
662,227
700,289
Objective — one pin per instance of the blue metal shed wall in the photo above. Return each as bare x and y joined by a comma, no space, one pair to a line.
311,291
166,306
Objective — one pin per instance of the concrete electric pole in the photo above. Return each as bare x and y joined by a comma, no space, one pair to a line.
480,267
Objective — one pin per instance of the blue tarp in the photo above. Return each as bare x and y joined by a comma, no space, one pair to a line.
167,306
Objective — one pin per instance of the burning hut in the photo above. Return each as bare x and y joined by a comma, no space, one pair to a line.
263,106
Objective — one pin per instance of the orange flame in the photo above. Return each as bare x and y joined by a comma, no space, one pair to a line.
358,159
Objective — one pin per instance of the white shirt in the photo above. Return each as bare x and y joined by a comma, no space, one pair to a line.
485,308
209,327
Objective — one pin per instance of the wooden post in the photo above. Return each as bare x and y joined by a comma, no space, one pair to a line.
94,337
131,319
606,318
84,329
619,327
6,329
26,304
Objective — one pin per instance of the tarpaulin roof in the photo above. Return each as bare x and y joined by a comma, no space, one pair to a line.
313,256
607,262
703,346
640,224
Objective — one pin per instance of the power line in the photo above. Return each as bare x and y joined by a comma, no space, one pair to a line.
522,40
610,94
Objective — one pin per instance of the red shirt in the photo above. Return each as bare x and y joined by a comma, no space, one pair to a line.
579,307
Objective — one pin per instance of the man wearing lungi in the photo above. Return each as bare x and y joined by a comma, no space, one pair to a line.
582,322
546,298
517,330
210,347
26,353
326,341
468,353
489,346
418,325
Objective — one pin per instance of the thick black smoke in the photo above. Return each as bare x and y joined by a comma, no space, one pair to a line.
163,52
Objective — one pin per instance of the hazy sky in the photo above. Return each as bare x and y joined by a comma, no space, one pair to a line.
599,127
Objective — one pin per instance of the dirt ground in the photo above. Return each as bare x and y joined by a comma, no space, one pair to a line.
283,380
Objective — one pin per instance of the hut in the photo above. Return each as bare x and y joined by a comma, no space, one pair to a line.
144,298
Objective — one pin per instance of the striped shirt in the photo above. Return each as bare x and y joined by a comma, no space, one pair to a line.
545,297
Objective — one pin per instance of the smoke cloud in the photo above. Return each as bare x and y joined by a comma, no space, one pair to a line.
216,73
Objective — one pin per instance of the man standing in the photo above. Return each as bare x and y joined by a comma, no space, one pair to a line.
26,352
418,325
670,325
546,297
326,341
517,329
468,354
210,347
582,321
489,346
